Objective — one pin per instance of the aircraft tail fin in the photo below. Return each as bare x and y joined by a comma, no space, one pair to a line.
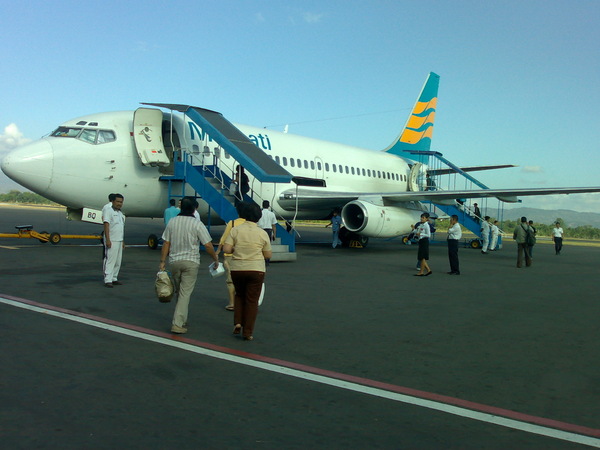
418,130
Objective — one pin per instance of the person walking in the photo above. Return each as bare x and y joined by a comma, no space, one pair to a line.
485,234
532,241
454,236
557,237
476,213
227,257
170,212
336,223
249,246
520,235
181,240
494,230
423,233
114,234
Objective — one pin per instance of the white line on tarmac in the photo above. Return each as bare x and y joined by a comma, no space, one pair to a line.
342,384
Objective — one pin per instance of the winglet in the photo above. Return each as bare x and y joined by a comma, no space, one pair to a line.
416,135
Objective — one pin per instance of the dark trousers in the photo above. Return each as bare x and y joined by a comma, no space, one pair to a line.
523,248
453,255
557,245
248,284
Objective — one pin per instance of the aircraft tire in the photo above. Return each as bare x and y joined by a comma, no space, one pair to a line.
153,242
55,238
475,243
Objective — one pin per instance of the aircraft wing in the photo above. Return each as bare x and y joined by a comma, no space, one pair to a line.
505,195
436,172
316,198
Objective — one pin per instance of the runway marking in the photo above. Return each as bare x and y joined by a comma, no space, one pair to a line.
464,408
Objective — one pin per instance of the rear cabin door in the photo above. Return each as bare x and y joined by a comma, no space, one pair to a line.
413,177
147,135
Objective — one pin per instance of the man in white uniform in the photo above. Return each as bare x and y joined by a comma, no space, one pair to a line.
485,234
114,231
495,232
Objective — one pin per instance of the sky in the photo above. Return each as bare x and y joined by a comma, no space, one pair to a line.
518,78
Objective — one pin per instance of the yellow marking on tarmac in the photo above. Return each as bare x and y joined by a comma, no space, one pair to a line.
9,248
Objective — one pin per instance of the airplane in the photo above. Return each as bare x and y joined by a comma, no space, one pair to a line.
380,194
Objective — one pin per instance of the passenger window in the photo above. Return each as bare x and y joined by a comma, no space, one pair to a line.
88,136
292,162
305,164
352,169
326,167
378,174
312,165
299,163
319,167
347,170
363,172
369,172
277,160
334,167
284,161
341,168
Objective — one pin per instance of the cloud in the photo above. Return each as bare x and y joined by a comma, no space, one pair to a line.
310,17
532,169
11,139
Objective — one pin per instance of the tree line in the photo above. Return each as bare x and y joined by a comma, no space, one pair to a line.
15,196
508,226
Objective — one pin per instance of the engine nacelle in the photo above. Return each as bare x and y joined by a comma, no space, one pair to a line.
371,220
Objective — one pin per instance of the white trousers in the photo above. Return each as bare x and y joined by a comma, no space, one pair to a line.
112,261
486,240
494,241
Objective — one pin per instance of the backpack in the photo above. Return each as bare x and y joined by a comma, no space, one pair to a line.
530,237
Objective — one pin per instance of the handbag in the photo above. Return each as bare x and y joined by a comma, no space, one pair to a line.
163,286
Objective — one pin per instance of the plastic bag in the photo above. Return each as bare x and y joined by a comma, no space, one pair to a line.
163,286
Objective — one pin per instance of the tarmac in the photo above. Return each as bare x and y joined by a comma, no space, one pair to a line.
350,349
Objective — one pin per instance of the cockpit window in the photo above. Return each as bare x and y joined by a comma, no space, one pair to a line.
105,136
90,136
66,132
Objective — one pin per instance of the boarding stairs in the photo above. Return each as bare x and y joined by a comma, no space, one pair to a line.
211,184
466,214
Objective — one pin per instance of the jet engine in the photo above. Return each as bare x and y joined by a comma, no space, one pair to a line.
372,220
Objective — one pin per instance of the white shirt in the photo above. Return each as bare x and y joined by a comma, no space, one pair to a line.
267,220
116,223
557,232
424,230
454,232
495,230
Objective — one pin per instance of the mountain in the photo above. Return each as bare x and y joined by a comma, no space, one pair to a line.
569,218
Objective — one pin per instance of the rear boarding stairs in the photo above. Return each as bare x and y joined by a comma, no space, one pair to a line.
463,208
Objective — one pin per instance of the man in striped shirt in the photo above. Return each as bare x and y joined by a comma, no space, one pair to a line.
181,242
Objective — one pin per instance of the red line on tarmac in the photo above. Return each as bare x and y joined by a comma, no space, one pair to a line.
564,426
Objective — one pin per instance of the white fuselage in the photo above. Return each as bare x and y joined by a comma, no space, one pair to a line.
81,174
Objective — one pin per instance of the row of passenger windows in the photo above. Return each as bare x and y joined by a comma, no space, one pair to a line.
85,134
339,168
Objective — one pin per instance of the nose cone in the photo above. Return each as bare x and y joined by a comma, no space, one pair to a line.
31,165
